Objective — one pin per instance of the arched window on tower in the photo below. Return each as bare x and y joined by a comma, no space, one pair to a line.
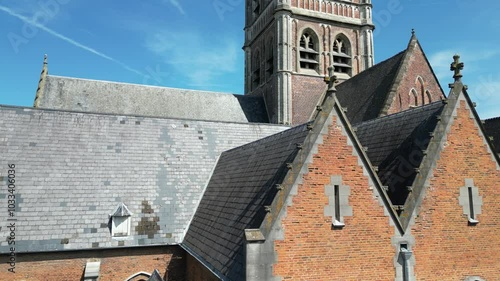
269,59
256,70
308,51
342,60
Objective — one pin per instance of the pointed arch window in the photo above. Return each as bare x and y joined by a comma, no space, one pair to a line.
429,96
308,52
270,59
413,98
342,60
256,70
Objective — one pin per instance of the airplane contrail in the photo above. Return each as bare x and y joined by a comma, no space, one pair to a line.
69,40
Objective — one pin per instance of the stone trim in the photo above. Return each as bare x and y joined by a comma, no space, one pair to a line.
468,192
343,198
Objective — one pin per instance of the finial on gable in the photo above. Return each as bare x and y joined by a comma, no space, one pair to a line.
331,81
41,82
413,32
457,67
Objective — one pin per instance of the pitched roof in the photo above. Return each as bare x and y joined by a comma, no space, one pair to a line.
365,94
243,183
396,143
74,169
492,128
94,96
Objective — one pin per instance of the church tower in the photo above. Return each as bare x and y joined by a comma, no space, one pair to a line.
289,45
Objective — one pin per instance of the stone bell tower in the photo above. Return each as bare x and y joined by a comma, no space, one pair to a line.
289,45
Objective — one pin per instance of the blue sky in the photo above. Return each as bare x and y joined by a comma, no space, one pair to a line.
197,44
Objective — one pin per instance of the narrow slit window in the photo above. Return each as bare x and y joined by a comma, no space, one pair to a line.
471,201
337,203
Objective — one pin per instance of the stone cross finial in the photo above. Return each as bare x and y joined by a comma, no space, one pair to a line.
333,79
457,67
45,59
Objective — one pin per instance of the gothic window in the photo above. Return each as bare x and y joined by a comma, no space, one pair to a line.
429,97
342,55
470,201
421,87
413,98
120,221
270,59
256,70
308,52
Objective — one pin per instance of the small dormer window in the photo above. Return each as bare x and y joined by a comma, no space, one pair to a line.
120,221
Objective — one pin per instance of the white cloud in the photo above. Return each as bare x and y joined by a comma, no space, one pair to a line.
176,4
201,60
66,39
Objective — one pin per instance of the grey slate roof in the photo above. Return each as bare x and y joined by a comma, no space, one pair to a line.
365,94
74,169
242,184
492,128
395,144
75,94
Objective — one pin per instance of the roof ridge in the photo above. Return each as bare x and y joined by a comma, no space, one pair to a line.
4,106
139,85
404,112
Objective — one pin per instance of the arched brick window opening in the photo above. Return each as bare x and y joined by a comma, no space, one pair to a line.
421,87
429,96
413,98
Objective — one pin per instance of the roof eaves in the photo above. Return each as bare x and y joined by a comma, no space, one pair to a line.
201,260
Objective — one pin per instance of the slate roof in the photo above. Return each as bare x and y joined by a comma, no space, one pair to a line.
492,128
242,184
73,94
74,169
365,94
395,144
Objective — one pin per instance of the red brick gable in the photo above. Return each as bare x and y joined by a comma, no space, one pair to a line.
311,248
416,83
446,247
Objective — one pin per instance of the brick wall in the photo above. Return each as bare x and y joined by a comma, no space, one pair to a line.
416,67
116,264
447,248
195,271
311,249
